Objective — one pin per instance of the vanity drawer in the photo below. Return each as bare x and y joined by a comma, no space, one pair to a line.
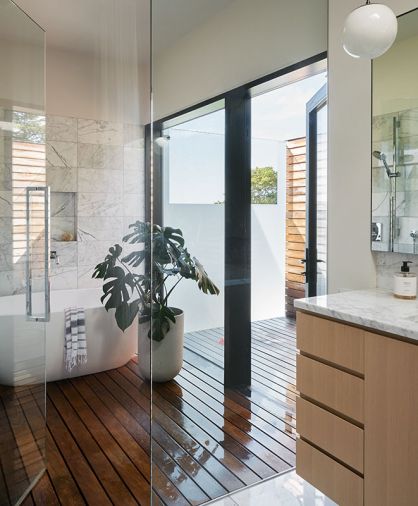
333,479
331,387
336,436
334,342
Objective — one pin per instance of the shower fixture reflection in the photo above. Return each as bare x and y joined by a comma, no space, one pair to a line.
392,175
382,157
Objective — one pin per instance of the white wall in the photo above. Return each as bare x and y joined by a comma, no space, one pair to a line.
100,87
247,40
350,262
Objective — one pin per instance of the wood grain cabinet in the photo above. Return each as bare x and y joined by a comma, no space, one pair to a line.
357,413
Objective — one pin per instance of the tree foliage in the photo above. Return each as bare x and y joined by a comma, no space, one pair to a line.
263,185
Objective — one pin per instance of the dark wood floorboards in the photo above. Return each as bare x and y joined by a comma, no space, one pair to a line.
207,440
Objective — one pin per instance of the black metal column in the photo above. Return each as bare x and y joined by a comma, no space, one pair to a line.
237,239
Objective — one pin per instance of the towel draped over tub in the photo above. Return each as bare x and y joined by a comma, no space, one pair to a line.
75,345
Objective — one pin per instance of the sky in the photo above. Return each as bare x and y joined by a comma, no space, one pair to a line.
196,148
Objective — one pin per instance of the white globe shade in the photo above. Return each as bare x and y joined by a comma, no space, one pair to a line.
369,31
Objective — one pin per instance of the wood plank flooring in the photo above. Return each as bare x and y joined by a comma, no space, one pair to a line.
206,440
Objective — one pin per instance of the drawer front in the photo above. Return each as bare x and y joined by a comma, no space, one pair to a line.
331,387
334,480
331,341
332,434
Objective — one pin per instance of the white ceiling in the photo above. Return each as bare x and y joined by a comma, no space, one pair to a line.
92,25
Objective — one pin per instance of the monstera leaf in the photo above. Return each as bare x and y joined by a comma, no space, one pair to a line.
203,280
115,290
101,270
126,313
165,255
141,233
166,244
135,258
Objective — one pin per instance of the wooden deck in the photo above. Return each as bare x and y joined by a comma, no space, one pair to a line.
207,441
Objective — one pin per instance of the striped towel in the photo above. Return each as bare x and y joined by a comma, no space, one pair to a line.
75,346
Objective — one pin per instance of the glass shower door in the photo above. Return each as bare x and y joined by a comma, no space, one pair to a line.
24,251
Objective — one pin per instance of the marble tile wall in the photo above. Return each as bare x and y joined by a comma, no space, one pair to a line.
96,173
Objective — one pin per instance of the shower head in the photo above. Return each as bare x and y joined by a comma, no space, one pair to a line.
379,155
382,157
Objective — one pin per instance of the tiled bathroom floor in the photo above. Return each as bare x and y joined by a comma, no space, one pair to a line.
288,489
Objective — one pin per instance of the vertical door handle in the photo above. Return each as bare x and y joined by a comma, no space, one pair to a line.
47,299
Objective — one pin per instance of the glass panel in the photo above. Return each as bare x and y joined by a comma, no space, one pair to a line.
23,253
192,156
321,199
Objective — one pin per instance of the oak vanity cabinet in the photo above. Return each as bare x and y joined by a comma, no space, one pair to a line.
356,413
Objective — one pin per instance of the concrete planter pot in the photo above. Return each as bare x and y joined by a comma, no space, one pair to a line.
167,355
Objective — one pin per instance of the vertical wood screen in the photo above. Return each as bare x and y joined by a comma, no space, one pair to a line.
295,221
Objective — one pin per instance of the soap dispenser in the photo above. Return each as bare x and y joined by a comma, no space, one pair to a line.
405,283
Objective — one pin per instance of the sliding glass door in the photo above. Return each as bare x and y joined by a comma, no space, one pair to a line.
24,254
317,168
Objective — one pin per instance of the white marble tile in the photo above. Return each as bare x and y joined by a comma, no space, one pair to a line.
100,229
85,279
99,204
406,225
12,282
382,127
61,128
134,205
62,205
62,179
5,204
92,252
376,309
100,132
133,181
100,181
408,122
6,233
61,154
63,278
6,256
67,254
96,156
133,159
133,136
288,489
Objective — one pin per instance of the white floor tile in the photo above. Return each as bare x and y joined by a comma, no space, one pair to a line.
285,490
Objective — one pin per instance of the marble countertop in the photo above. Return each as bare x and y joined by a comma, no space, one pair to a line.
376,309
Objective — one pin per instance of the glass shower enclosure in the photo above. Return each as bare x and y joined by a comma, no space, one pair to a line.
24,254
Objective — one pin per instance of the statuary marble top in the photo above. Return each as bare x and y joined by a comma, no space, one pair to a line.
376,309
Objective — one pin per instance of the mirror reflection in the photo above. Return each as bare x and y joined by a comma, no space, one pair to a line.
395,143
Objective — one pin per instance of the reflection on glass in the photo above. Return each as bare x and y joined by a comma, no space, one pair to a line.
395,144
22,166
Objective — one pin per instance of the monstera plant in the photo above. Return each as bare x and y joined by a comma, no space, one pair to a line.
140,282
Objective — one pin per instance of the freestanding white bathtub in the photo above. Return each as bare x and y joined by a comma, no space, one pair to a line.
22,343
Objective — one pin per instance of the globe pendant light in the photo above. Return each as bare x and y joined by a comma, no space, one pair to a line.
369,31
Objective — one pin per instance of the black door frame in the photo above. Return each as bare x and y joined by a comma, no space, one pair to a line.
311,252
237,289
